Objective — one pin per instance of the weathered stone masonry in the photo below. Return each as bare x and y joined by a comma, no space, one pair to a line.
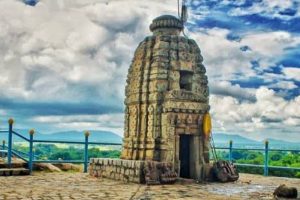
166,99
124,170
136,171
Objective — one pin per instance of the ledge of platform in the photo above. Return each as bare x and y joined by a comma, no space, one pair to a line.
136,171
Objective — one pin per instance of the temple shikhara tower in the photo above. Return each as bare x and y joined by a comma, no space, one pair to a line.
166,99
167,126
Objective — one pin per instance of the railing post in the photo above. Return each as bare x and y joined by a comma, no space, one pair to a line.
230,150
9,151
3,148
30,164
33,154
266,160
86,151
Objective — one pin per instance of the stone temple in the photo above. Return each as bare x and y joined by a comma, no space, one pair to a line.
166,99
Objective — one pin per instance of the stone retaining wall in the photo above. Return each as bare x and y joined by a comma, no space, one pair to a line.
117,169
136,171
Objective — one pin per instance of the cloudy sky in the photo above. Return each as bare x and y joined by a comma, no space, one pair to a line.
63,63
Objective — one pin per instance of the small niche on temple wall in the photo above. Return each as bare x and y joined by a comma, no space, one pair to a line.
186,80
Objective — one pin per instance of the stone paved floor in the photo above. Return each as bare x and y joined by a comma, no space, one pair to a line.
64,186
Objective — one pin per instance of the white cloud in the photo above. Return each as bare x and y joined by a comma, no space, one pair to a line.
222,57
270,43
236,2
225,88
70,43
292,121
80,50
292,73
225,60
267,8
269,113
71,51
286,85
108,122
268,47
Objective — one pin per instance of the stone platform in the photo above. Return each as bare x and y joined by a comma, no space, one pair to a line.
67,186
136,171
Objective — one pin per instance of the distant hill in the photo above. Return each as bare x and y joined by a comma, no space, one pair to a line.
220,139
78,136
273,143
95,136
225,138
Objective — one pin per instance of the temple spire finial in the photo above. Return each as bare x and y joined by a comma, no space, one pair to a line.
184,12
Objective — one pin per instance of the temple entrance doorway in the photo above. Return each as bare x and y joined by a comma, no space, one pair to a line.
184,156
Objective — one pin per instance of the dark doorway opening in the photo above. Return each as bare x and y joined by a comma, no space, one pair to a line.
184,156
186,79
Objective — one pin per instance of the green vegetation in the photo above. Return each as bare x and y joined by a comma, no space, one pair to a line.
283,159
68,152
76,152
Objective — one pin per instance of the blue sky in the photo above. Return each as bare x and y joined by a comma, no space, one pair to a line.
63,63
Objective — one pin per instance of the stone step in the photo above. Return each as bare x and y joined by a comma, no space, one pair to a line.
3,153
13,165
14,172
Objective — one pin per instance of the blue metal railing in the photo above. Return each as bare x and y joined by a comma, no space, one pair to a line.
266,151
33,159
3,148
